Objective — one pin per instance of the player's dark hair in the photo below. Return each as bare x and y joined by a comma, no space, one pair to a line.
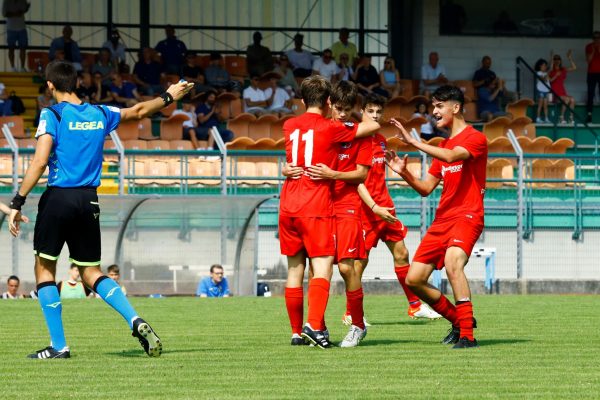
113,268
215,266
13,278
449,93
315,90
373,99
344,94
63,76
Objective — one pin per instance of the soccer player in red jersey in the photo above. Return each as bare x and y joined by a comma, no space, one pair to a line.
353,162
306,226
461,162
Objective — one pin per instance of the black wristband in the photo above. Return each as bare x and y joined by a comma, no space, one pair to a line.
17,202
167,98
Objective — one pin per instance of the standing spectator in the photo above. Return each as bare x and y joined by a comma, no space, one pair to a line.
558,75
344,46
433,75
73,288
218,77
68,45
258,57
326,67
44,100
256,100
214,285
487,99
300,59
117,49
114,274
104,66
390,78
367,78
592,56
124,93
14,12
209,116
282,101
173,51
541,90
346,70
287,81
12,291
147,73
193,73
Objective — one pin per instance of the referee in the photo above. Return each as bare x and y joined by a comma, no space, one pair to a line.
70,139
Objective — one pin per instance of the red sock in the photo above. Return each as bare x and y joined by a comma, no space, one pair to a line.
294,302
464,317
446,309
401,273
348,312
355,301
318,295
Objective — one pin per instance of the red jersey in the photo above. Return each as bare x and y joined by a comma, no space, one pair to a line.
594,64
375,182
346,201
464,180
311,139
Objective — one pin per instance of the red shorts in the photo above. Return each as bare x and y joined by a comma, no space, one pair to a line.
313,234
376,230
349,239
460,232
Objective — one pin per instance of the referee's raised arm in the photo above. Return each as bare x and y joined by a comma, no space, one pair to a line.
144,109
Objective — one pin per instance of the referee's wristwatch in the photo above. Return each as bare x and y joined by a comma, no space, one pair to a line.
167,98
17,202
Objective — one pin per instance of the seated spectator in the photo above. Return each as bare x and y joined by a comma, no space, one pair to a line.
326,67
17,106
172,51
367,78
115,275
488,101
45,99
433,75
189,126
147,73
105,66
5,103
484,74
256,100
389,78
117,49
301,60
68,45
124,93
346,70
287,81
282,100
209,116
344,46
102,94
12,291
258,57
558,75
428,129
195,74
214,285
73,288
218,77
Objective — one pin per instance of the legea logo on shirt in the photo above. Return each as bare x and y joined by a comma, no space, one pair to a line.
86,126
452,169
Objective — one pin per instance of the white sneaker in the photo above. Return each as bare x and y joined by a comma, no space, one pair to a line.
423,312
347,320
354,336
538,120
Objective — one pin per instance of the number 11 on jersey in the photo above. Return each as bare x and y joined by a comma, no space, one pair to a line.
308,147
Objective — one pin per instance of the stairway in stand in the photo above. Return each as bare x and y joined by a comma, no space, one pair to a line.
26,86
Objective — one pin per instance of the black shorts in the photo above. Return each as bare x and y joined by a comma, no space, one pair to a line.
201,132
70,215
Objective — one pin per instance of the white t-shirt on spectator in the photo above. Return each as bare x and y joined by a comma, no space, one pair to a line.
255,95
326,70
281,96
429,73
188,123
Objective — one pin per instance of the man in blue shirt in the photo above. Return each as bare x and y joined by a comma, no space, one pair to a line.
214,285
487,99
70,139
209,116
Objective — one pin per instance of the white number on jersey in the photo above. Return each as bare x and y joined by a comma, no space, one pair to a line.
308,147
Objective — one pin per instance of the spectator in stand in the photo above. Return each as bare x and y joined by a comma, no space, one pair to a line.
104,66
147,73
256,100
488,99
70,47
592,56
117,49
189,126
367,78
5,103
541,90
344,46
45,99
16,32
301,60
282,101
124,93
558,75
218,77
12,290
287,81
484,75
326,67
103,94
433,75
73,288
193,73
86,90
258,57
428,129
209,116
346,70
173,51
214,285
115,275
389,78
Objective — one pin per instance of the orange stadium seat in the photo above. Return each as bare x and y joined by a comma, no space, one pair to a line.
496,127
202,61
128,130
236,65
518,109
388,130
467,88
26,143
540,144
244,169
407,88
560,146
521,127
280,144
16,126
500,145
172,127
230,105
277,127
470,112
145,129
499,168
267,169
393,108
240,124
135,145
37,57
540,169
158,145
181,145
240,143
298,107
261,127
200,171
435,141
525,144
415,123
154,169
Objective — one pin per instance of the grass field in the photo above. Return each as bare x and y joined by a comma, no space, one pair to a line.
531,347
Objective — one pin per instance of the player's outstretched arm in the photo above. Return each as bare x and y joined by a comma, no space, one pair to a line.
446,155
367,127
146,108
381,212
322,171
398,165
